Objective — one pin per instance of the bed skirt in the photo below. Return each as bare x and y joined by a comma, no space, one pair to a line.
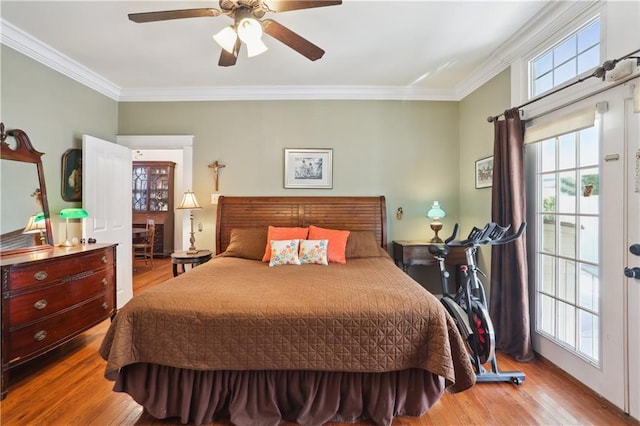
268,397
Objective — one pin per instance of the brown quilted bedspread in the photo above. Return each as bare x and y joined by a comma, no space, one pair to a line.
236,314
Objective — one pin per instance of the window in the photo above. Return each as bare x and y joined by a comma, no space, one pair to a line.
567,241
576,54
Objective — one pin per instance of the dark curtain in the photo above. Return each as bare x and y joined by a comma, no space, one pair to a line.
509,307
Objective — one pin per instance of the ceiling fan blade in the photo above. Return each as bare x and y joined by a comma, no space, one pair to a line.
172,14
229,59
286,5
291,39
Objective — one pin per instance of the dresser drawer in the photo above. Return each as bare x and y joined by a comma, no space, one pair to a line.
43,335
63,268
29,307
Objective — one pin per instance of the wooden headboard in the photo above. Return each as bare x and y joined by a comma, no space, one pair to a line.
351,213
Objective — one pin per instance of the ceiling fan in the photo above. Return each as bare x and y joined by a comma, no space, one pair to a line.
248,25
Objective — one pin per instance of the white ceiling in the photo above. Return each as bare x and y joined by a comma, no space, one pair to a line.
432,48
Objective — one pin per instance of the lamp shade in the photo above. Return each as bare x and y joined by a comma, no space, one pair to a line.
75,213
436,212
36,224
189,202
226,39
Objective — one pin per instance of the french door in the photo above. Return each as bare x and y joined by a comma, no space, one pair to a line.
632,259
586,214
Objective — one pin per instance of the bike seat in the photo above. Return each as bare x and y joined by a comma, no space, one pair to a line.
439,251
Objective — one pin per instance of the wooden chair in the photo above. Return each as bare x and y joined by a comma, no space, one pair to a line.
143,249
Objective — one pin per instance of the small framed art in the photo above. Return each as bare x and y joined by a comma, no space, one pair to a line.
308,168
484,172
72,175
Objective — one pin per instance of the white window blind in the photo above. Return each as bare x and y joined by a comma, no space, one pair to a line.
548,127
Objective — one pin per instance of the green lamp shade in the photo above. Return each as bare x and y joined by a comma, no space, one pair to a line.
38,217
436,211
73,213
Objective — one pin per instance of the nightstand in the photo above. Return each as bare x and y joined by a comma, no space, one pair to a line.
414,252
186,258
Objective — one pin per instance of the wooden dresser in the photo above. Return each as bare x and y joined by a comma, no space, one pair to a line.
51,296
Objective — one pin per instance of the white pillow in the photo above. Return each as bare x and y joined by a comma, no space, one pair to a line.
284,252
314,251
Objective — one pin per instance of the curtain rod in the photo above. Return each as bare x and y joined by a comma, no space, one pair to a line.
599,72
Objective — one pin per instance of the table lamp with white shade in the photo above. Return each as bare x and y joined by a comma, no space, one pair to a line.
189,202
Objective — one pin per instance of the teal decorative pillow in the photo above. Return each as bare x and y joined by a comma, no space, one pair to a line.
314,251
284,252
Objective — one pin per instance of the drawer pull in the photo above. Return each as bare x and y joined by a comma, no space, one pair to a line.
105,305
42,275
40,336
104,282
40,304
104,259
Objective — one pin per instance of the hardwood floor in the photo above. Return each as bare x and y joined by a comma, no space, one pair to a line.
67,387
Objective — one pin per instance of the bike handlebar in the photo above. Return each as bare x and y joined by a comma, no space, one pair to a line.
491,234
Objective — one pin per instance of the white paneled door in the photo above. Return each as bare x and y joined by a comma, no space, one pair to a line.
106,195
632,254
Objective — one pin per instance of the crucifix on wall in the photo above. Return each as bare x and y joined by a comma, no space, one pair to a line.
216,167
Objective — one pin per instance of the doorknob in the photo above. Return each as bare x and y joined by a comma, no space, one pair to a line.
635,249
632,273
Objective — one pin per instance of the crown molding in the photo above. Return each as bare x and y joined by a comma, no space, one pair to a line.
13,37
228,93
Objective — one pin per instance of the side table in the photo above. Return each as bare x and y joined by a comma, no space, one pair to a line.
414,252
184,258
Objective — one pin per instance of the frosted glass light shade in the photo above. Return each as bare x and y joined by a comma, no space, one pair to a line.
226,39
436,212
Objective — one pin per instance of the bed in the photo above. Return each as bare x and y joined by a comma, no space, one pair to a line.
238,339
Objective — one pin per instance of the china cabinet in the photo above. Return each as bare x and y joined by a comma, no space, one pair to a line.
152,196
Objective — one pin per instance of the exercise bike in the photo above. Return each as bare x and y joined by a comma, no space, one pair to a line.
468,306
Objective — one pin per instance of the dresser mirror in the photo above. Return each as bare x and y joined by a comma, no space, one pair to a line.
25,224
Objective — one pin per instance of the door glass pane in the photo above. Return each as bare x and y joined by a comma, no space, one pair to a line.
567,280
589,286
549,274
548,155
567,236
567,198
567,324
549,234
589,147
567,151
589,239
589,335
547,318
589,191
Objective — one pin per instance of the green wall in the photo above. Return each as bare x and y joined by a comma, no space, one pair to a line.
476,141
406,151
55,111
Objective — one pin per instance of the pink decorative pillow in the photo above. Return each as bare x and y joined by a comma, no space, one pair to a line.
337,242
313,251
282,233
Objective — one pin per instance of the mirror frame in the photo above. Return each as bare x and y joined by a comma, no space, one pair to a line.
25,152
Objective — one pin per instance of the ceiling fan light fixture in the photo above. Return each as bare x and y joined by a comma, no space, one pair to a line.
226,39
255,48
249,30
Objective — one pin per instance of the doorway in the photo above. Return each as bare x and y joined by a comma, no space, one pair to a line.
175,148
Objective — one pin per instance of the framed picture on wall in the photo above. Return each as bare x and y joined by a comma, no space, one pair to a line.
484,172
72,175
308,168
